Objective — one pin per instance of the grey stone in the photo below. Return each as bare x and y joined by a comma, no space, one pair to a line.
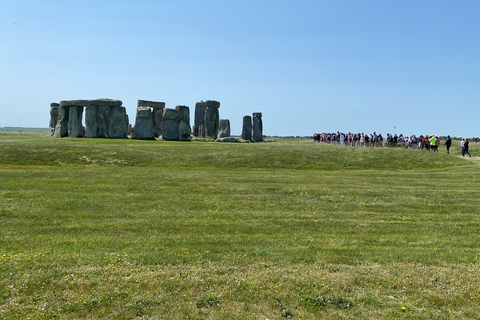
105,116
199,118
144,129
226,139
184,129
157,120
257,126
118,123
211,121
170,124
224,128
247,128
53,117
127,124
212,103
157,107
201,131
151,104
94,124
94,102
61,128
75,128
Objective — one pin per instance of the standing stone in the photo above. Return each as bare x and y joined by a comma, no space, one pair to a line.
53,117
184,130
144,129
158,120
118,123
94,125
247,128
224,128
212,118
199,118
75,128
158,108
105,116
170,124
61,129
257,126
201,131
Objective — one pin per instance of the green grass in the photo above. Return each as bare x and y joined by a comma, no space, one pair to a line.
99,228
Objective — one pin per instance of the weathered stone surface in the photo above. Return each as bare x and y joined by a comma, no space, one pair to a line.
53,117
144,129
212,120
105,115
201,131
226,139
224,128
94,102
118,123
151,104
247,128
61,128
257,126
75,127
170,124
157,120
94,124
199,117
212,103
184,129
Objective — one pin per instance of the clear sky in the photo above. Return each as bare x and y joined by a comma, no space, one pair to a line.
308,66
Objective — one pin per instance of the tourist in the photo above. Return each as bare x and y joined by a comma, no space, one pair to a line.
427,142
448,144
432,142
462,144
465,147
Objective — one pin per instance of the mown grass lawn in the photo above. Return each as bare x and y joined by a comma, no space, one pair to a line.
201,230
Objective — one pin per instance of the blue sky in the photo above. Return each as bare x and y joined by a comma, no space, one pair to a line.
308,66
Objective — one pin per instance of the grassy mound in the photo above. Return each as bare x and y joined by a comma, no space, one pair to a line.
98,228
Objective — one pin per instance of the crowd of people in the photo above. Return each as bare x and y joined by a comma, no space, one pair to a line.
427,142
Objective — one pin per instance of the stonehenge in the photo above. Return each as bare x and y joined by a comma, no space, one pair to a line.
108,118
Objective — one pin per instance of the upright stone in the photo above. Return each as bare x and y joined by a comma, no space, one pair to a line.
199,118
247,128
75,128
53,117
61,128
224,128
94,125
105,116
170,124
212,118
144,129
257,126
201,131
118,123
184,129
158,108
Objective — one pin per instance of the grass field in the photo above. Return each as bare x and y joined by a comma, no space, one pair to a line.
99,228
